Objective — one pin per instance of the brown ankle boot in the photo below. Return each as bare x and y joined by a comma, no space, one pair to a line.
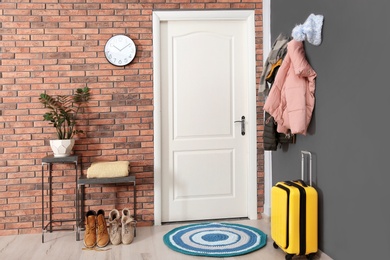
102,234
90,229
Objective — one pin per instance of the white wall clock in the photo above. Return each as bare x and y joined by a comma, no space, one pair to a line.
120,50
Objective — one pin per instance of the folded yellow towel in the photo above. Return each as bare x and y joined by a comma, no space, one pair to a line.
108,169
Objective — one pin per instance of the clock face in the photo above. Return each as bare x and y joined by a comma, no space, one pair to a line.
120,50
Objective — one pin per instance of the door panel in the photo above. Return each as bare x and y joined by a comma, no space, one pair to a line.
202,169
204,90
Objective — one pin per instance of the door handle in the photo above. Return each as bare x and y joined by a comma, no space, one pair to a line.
242,121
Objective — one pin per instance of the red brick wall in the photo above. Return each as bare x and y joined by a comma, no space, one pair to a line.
57,46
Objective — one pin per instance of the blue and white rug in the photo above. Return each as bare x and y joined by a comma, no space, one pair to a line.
215,239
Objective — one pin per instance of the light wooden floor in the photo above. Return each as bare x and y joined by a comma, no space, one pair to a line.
148,245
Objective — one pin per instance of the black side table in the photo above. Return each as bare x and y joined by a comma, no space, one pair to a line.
49,161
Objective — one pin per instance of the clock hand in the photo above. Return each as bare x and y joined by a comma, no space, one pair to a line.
116,48
124,47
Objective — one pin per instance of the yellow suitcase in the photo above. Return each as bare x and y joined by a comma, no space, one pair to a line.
294,215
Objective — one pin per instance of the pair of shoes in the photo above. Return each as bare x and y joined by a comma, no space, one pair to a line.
95,229
126,235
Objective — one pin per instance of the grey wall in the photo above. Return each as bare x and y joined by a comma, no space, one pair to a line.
349,132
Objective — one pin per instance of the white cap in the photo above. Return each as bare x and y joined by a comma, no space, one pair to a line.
311,30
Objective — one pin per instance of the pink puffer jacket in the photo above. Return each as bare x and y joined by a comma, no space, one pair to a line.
291,99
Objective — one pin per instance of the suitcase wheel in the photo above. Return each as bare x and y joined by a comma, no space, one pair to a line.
289,256
311,256
275,245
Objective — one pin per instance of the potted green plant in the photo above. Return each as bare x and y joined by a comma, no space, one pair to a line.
63,111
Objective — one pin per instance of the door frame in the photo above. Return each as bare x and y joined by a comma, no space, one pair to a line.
267,154
244,15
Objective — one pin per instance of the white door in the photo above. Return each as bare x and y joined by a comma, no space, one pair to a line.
204,90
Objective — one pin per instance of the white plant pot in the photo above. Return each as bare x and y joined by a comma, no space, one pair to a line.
62,148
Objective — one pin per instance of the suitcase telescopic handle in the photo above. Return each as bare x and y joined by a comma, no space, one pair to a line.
303,153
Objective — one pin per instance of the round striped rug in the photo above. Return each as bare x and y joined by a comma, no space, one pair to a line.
215,239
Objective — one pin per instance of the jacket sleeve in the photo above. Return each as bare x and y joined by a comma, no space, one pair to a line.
275,104
300,95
